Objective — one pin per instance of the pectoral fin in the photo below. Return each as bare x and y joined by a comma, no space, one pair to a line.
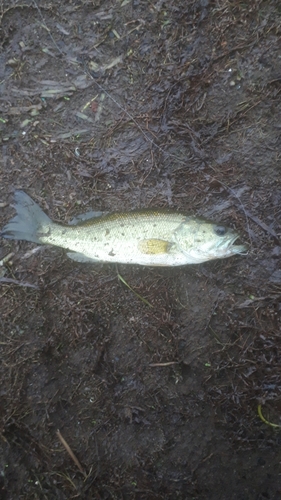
154,246
79,257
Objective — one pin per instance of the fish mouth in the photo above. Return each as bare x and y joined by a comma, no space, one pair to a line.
236,248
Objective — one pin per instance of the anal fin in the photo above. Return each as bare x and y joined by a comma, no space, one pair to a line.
80,257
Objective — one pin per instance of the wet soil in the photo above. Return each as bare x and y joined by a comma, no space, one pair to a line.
112,105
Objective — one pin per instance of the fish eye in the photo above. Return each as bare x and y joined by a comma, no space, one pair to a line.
220,230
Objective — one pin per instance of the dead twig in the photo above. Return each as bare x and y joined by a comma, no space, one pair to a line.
169,363
70,452
16,282
264,226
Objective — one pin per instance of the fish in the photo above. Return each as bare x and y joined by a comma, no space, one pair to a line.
149,237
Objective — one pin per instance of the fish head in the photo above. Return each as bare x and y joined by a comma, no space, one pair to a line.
201,240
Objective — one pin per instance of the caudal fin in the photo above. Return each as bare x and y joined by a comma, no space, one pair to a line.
28,222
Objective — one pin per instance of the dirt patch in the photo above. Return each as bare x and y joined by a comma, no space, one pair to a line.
122,105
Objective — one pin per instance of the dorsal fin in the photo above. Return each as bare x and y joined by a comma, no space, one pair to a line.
84,217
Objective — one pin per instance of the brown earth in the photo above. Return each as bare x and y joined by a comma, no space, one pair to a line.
118,104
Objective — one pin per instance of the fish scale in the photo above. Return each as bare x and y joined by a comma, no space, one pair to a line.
140,238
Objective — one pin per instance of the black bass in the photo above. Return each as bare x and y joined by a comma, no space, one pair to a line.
145,237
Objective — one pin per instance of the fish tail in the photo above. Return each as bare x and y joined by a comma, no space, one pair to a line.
29,221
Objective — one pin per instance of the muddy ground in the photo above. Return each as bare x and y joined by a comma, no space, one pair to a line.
111,105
